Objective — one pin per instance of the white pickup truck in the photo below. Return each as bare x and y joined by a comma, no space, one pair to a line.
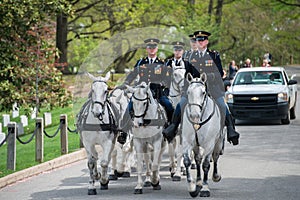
262,93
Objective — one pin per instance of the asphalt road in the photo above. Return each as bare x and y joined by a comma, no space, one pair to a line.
265,165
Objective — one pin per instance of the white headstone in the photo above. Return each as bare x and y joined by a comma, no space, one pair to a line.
47,118
15,111
2,137
6,119
20,129
24,120
33,113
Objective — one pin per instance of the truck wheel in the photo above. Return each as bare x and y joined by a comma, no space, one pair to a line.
287,119
293,110
293,113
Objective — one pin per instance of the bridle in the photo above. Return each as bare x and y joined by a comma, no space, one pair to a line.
147,105
102,104
176,85
202,106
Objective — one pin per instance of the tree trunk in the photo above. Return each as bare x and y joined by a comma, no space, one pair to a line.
210,8
219,12
61,43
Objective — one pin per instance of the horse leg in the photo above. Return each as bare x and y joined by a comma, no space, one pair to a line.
205,166
218,150
148,163
113,176
177,175
172,164
94,175
157,154
108,147
192,187
124,164
139,187
198,159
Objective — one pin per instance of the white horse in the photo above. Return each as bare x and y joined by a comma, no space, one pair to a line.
121,158
175,147
148,122
203,126
96,125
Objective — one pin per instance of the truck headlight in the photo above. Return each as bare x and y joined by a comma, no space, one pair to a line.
229,98
282,97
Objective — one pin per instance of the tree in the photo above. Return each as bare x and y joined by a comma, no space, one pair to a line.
27,72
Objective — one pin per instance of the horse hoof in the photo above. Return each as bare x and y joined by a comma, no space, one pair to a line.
204,193
193,166
112,177
138,191
126,175
176,178
216,178
118,174
104,186
156,186
147,184
92,192
196,192
172,174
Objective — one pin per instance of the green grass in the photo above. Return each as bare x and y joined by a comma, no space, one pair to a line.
25,154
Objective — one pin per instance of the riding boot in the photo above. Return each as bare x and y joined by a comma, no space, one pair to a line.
232,135
170,132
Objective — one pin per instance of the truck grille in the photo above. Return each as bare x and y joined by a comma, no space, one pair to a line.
262,99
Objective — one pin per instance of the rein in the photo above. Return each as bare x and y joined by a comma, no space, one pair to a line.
202,109
147,105
175,85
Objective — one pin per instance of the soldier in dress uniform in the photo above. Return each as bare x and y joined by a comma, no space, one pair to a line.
151,69
209,62
192,53
176,60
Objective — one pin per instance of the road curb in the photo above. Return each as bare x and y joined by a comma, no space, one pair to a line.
46,166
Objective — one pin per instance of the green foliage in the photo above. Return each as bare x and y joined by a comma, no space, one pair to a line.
27,72
247,29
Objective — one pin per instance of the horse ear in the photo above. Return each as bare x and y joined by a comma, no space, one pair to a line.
90,75
129,88
107,76
203,77
189,77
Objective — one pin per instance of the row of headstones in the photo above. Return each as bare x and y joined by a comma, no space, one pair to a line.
23,121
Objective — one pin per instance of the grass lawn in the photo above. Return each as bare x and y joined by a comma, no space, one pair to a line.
25,154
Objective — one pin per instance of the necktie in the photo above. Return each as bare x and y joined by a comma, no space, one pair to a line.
176,62
201,54
151,61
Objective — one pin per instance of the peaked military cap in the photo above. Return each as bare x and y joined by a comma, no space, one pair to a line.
151,42
201,35
178,45
192,37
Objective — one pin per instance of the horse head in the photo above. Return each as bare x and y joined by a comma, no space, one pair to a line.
197,95
141,99
178,76
98,94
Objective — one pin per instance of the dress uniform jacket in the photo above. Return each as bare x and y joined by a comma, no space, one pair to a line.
190,55
155,73
210,63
